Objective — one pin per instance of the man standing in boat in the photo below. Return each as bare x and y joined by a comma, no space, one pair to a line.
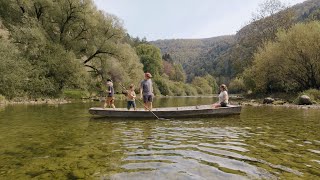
146,91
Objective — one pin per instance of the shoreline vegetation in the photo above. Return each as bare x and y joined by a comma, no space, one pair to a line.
55,51
234,99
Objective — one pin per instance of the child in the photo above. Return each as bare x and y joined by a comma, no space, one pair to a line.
131,95
110,98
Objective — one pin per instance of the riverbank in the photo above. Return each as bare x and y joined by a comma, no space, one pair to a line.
287,105
234,99
35,101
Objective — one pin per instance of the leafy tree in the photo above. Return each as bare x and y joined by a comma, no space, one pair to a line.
168,69
271,16
237,86
202,85
212,82
14,69
290,63
179,74
150,57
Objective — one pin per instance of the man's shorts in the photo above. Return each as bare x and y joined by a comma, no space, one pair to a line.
110,100
147,98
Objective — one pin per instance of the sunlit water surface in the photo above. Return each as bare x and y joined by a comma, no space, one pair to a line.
65,142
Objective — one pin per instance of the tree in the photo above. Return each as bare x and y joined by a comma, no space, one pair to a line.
14,69
179,74
150,57
212,82
290,63
202,85
271,16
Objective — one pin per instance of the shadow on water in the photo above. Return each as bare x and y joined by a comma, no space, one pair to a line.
65,142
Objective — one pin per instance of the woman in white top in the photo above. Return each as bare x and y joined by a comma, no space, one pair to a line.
223,97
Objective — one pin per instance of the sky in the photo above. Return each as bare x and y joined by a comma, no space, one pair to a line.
182,19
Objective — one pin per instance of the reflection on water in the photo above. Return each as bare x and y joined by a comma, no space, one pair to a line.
65,142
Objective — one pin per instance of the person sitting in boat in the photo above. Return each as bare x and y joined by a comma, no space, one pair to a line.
146,91
131,96
110,97
223,97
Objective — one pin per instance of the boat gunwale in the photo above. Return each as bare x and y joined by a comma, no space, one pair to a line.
167,109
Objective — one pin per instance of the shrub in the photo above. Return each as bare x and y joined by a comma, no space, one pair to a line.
237,86
163,87
190,90
75,94
177,89
2,98
202,85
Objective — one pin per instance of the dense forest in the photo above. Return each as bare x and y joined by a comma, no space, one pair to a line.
48,48
51,47
233,59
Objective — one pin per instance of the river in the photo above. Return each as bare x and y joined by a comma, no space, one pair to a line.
65,142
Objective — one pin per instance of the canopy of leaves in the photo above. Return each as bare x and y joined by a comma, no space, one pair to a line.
292,62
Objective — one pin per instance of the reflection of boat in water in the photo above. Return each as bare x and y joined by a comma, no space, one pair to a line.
168,112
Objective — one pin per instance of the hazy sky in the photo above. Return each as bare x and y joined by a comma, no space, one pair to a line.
173,19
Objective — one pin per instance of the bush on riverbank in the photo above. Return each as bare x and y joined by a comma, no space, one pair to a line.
75,94
2,98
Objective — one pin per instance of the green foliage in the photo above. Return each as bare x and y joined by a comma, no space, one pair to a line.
2,98
14,70
291,63
75,94
190,90
179,74
202,85
177,89
150,57
163,86
197,56
65,44
237,85
212,83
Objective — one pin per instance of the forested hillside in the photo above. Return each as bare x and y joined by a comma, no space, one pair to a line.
51,47
228,57
190,53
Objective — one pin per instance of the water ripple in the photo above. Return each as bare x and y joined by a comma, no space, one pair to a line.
192,153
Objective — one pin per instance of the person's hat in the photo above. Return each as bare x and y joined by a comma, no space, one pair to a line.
148,75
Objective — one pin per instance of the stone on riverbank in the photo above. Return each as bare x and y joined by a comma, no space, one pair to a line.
268,100
304,100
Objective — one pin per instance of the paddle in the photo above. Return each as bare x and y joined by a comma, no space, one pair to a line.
143,104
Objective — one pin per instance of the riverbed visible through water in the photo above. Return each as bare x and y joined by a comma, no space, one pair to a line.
66,142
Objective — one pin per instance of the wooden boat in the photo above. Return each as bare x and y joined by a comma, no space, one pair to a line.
168,112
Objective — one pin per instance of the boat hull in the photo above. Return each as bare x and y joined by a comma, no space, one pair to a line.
177,112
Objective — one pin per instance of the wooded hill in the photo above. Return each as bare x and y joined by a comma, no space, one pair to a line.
227,57
50,47
53,48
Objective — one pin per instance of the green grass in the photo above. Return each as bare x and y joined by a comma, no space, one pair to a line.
75,94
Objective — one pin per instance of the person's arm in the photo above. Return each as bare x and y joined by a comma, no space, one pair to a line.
151,88
141,91
134,94
109,89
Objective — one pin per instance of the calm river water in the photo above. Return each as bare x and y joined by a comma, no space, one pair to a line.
65,142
